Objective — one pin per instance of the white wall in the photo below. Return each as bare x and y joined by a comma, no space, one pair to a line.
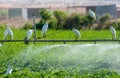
24,14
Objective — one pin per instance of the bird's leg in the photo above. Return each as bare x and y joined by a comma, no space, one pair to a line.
44,35
12,38
6,38
76,38
113,38
26,41
33,42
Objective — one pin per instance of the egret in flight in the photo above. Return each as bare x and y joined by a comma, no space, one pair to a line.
29,34
44,29
113,31
92,14
77,33
8,33
9,70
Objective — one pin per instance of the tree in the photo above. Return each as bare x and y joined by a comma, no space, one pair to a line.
103,20
73,21
53,23
87,21
40,24
45,14
61,17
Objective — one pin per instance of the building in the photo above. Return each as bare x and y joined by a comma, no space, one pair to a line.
103,9
26,13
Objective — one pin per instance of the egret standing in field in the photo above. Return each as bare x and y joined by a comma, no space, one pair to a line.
92,14
113,31
8,33
9,70
44,29
77,33
29,34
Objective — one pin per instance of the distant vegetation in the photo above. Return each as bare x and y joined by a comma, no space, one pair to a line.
59,19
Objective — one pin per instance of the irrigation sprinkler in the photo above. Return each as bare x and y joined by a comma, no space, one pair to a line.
64,41
35,37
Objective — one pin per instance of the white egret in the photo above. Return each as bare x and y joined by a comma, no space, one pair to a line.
29,34
44,29
77,33
113,31
8,32
92,14
9,70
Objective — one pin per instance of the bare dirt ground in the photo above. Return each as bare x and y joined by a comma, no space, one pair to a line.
17,22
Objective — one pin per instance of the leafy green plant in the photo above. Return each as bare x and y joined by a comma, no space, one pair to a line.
28,25
103,20
73,21
2,26
61,18
45,14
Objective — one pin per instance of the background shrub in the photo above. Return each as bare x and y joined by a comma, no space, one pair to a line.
27,25
61,17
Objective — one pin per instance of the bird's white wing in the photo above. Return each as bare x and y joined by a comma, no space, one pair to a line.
10,32
113,31
5,33
77,32
44,28
29,34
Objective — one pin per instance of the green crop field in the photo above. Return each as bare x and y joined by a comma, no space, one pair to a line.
65,34
58,60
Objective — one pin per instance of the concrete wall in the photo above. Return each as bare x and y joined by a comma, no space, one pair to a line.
111,9
15,12
27,13
24,13
78,9
118,13
101,10
33,12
